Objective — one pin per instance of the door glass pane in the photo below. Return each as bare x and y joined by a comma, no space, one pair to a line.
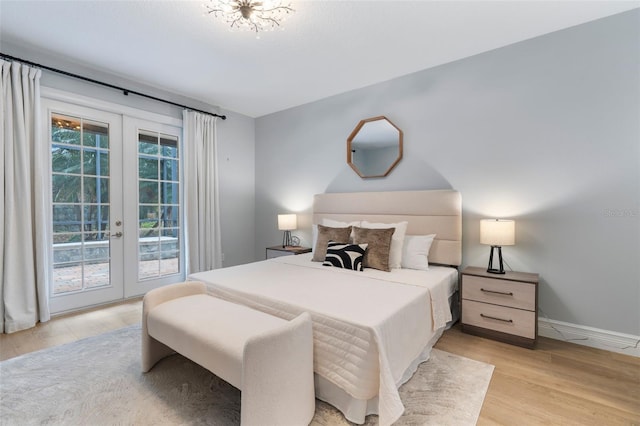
66,159
96,190
65,129
64,187
159,205
169,146
96,162
148,191
80,195
95,134
148,167
148,143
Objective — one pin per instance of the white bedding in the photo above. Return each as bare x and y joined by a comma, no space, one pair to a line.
368,326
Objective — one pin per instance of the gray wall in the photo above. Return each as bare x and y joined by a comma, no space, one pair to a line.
236,150
545,132
235,142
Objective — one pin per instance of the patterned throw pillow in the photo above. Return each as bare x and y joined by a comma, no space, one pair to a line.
345,256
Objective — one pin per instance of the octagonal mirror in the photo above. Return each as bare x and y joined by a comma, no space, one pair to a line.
374,147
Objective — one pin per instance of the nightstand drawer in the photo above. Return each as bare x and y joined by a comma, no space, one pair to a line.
514,294
499,318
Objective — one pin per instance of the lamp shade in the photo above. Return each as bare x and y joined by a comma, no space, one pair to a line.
287,222
497,232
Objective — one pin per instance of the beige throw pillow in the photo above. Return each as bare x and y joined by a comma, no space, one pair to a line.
326,234
379,246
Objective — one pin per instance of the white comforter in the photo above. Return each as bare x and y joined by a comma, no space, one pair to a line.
368,326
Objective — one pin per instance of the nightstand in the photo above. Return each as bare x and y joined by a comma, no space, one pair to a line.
500,306
277,251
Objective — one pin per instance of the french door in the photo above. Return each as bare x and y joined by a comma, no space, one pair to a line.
153,234
116,212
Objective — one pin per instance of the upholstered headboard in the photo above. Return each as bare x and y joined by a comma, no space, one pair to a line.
428,212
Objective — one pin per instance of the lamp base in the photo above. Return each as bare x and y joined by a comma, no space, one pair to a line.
490,267
286,239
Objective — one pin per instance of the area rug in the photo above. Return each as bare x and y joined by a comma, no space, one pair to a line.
97,381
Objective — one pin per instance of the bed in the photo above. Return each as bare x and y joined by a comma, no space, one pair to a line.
371,328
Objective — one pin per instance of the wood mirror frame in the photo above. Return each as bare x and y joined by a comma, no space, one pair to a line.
374,147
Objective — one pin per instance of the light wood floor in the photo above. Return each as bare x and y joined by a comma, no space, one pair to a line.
558,383
71,327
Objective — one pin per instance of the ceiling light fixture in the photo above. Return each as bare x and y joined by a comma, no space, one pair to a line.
250,15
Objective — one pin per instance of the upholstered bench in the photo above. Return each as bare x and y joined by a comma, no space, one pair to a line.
268,358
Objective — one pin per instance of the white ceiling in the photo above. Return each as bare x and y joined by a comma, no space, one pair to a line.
326,48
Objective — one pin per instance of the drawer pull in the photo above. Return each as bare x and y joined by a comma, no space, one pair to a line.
495,318
505,293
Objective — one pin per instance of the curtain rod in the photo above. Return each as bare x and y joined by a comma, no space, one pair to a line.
126,92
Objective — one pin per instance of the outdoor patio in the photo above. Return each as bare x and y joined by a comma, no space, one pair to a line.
69,279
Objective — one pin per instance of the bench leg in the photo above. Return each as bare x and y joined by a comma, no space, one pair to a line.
277,377
152,350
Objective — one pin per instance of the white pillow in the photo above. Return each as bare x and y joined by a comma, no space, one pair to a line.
397,240
415,251
332,223
337,224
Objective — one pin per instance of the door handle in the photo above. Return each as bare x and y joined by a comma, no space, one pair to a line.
117,234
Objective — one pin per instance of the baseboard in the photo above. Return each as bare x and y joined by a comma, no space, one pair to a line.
627,344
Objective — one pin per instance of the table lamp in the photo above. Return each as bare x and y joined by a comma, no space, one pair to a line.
287,223
497,233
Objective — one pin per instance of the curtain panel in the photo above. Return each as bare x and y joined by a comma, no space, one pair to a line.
23,183
204,243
